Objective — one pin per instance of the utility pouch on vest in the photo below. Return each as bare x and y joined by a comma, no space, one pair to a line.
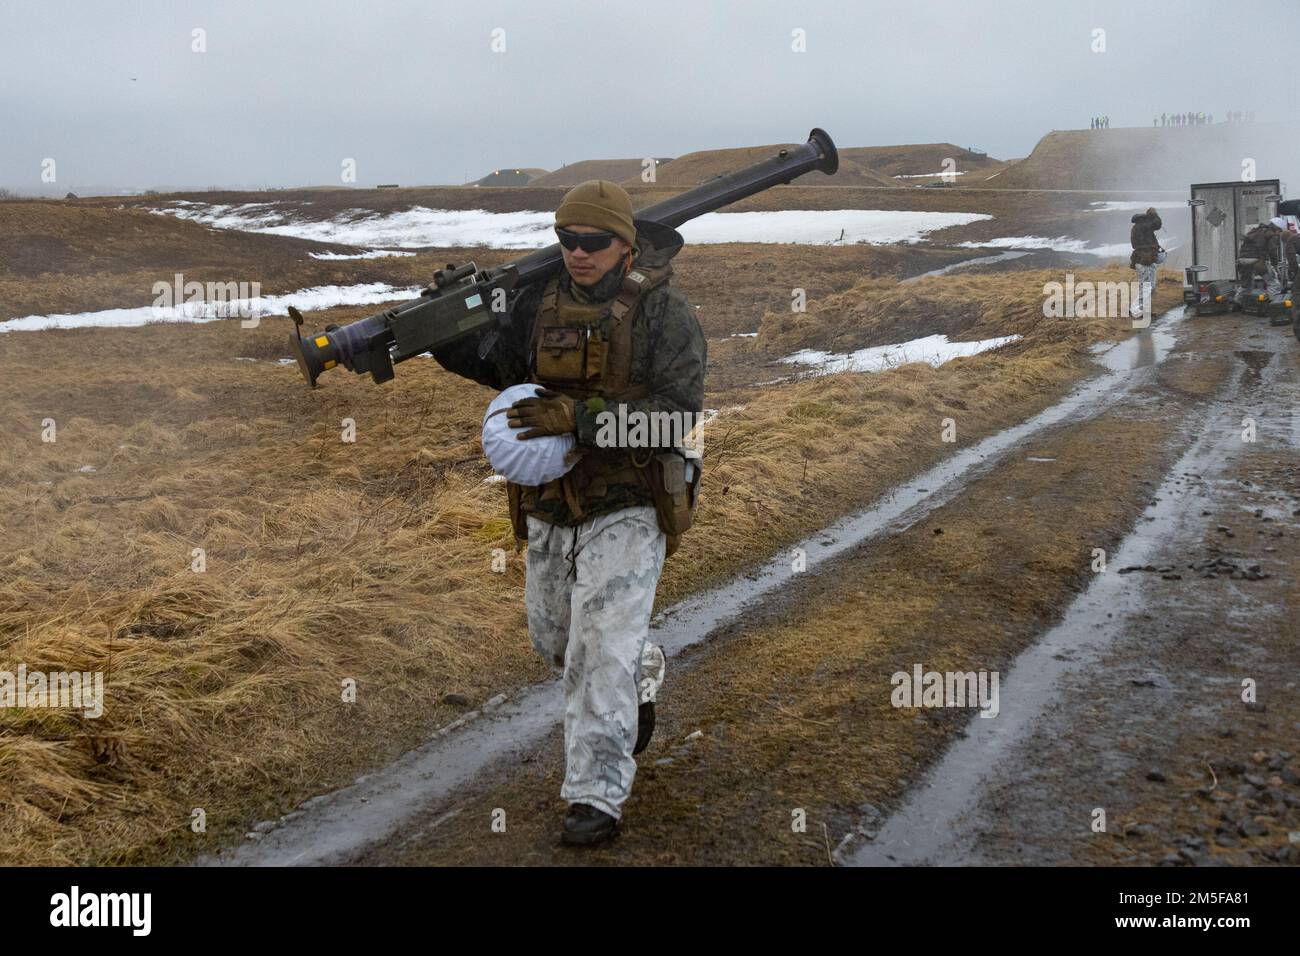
674,495
570,354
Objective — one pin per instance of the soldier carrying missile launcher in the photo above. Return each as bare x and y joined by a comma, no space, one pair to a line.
591,330
608,329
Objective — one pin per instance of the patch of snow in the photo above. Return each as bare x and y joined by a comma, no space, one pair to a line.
420,226
409,229
314,299
931,175
372,254
934,349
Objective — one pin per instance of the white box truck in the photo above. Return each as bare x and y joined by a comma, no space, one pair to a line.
1221,214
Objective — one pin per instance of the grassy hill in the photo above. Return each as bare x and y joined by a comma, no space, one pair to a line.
508,176
617,170
1167,158
918,159
705,164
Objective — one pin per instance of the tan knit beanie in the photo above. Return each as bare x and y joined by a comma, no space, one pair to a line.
600,204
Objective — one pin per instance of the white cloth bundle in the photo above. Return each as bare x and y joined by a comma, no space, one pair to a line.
532,462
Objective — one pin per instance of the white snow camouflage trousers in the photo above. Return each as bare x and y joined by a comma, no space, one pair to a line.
1146,277
589,592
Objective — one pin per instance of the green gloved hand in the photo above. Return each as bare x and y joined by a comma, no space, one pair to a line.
550,413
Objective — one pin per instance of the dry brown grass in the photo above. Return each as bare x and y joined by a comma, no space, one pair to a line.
328,560
880,310
221,681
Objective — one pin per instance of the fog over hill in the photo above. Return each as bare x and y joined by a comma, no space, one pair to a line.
1168,158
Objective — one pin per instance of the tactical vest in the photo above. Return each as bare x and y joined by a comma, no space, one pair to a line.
584,350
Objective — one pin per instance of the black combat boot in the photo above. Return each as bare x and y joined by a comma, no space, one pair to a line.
585,824
645,726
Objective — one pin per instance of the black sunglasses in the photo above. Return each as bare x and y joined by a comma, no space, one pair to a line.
589,241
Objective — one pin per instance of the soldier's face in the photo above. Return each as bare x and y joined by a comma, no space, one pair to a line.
587,267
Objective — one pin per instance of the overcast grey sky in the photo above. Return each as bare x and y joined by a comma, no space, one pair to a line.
413,91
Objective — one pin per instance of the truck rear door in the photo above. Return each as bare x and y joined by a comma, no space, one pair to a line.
1230,210
1213,230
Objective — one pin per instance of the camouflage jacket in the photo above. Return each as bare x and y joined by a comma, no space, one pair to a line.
668,355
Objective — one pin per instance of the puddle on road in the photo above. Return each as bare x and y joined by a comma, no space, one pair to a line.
1148,347
341,824
1255,361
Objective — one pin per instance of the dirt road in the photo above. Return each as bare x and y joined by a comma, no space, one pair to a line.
1164,702
1120,689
